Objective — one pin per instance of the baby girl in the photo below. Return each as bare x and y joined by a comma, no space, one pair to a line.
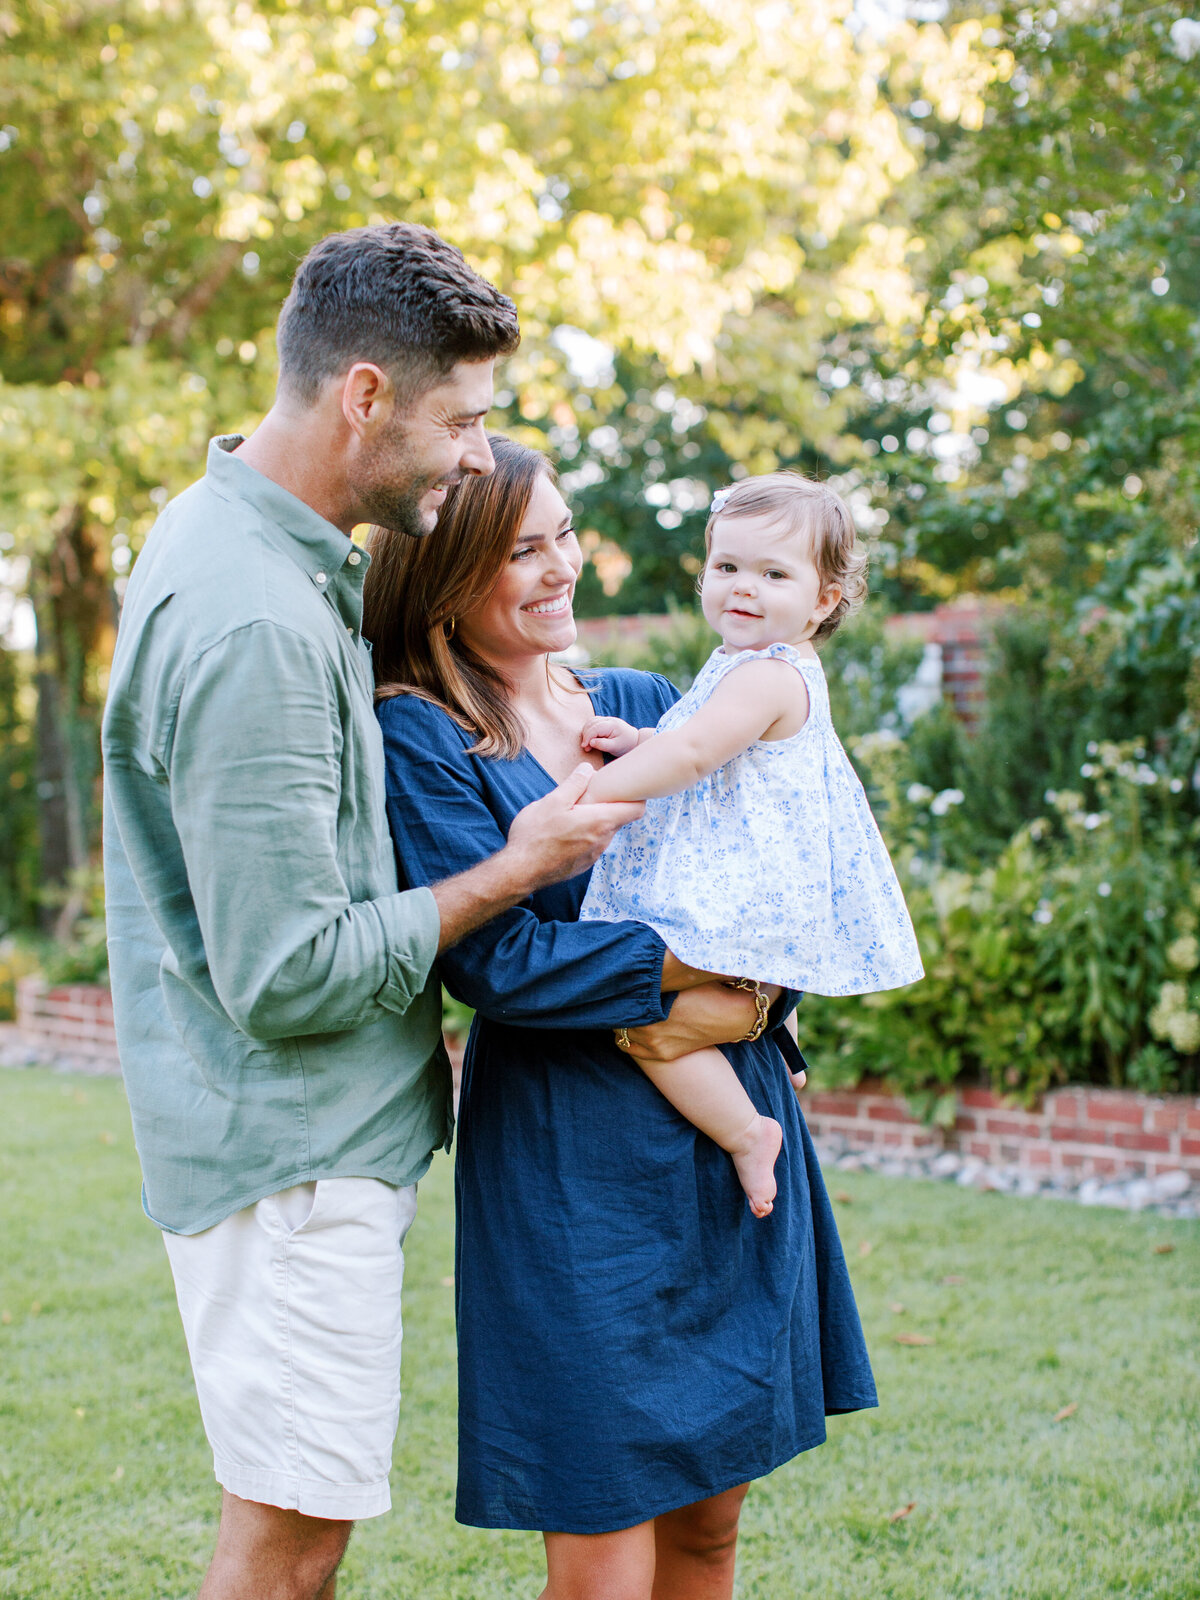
757,853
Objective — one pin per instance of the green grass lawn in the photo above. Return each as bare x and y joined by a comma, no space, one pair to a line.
1031,1307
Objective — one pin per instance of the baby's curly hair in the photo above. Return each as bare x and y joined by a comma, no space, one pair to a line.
801,504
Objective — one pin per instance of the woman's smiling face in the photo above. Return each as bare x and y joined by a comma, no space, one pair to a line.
529,612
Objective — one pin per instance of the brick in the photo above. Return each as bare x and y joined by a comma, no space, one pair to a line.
1165,1119
1189,1147
827,1102
966,1122
1069,1133
1072,1158
1106,1166
979,1097
887,1111
980,1148
1191,1121
1111,1109
1037,1156
1014,1127
1157,1142
1065,1105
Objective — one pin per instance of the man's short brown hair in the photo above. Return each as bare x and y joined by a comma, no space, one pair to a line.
397,295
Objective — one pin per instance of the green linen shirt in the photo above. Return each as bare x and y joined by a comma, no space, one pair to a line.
276,1013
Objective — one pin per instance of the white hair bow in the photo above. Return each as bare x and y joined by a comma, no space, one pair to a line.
719,499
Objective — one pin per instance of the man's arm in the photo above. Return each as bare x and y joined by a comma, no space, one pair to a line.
552,839
256,791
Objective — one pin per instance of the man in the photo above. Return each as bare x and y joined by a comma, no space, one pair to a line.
278,1019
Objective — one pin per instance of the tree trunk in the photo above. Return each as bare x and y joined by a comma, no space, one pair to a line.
72,601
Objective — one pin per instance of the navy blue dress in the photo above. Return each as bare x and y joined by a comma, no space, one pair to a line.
630,1338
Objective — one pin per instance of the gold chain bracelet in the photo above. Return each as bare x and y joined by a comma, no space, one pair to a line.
762,1008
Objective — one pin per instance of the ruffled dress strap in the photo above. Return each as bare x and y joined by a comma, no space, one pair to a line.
720,665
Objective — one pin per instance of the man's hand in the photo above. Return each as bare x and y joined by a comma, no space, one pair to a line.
552,839
609,734
557,836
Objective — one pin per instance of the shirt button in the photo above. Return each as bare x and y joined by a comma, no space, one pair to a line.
354,558
320,577
349,628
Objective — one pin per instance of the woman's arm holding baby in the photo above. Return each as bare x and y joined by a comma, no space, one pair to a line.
763,699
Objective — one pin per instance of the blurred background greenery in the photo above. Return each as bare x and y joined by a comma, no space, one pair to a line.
942,254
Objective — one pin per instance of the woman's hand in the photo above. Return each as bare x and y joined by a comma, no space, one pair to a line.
711,1014
609,734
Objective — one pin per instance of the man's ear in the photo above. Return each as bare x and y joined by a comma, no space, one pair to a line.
368,397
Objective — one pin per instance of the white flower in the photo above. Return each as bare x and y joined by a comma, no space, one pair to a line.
1094,819
943,801
1037,828
1146,775
1185,38
1104,890
1183,1030
1184,953
880,739
918,794
1087,770
1044,912
1093,749
1051,796
1176,786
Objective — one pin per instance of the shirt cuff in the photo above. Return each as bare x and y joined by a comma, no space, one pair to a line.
412,926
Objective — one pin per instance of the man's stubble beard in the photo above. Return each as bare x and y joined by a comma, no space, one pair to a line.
390,486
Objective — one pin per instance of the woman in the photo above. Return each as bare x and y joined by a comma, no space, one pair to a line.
634,1346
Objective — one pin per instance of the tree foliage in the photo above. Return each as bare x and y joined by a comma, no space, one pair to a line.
951,265
694,185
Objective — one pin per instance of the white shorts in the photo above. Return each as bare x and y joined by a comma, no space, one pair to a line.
291,1309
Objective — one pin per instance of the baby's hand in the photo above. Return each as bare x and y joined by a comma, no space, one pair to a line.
609,734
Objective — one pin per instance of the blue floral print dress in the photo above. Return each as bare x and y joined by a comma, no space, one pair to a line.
770,868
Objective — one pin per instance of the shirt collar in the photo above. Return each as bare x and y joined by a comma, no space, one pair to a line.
333,562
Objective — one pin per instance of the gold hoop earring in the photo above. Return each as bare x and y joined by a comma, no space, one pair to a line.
448,630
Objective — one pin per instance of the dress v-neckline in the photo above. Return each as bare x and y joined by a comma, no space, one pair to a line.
527,752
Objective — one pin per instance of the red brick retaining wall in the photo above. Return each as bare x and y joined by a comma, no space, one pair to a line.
73,1019
1102,1133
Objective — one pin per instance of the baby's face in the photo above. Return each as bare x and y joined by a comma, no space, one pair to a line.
761,586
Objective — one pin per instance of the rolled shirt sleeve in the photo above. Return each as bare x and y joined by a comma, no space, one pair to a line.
264,821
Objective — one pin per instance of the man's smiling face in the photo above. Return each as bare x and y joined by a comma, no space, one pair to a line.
402,477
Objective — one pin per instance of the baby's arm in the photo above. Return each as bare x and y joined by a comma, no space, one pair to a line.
762,699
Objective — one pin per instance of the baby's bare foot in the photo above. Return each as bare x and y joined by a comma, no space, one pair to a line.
754,1160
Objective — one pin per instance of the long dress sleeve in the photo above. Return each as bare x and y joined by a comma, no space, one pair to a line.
537,968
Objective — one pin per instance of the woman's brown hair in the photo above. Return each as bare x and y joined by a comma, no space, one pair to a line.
416,589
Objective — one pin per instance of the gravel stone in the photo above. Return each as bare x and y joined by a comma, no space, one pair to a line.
1171,1194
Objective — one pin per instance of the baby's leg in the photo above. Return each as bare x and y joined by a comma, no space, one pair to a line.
705,1089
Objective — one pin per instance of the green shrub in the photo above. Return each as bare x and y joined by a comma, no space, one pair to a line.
1071,957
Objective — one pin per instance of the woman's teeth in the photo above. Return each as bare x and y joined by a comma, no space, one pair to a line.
547,608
